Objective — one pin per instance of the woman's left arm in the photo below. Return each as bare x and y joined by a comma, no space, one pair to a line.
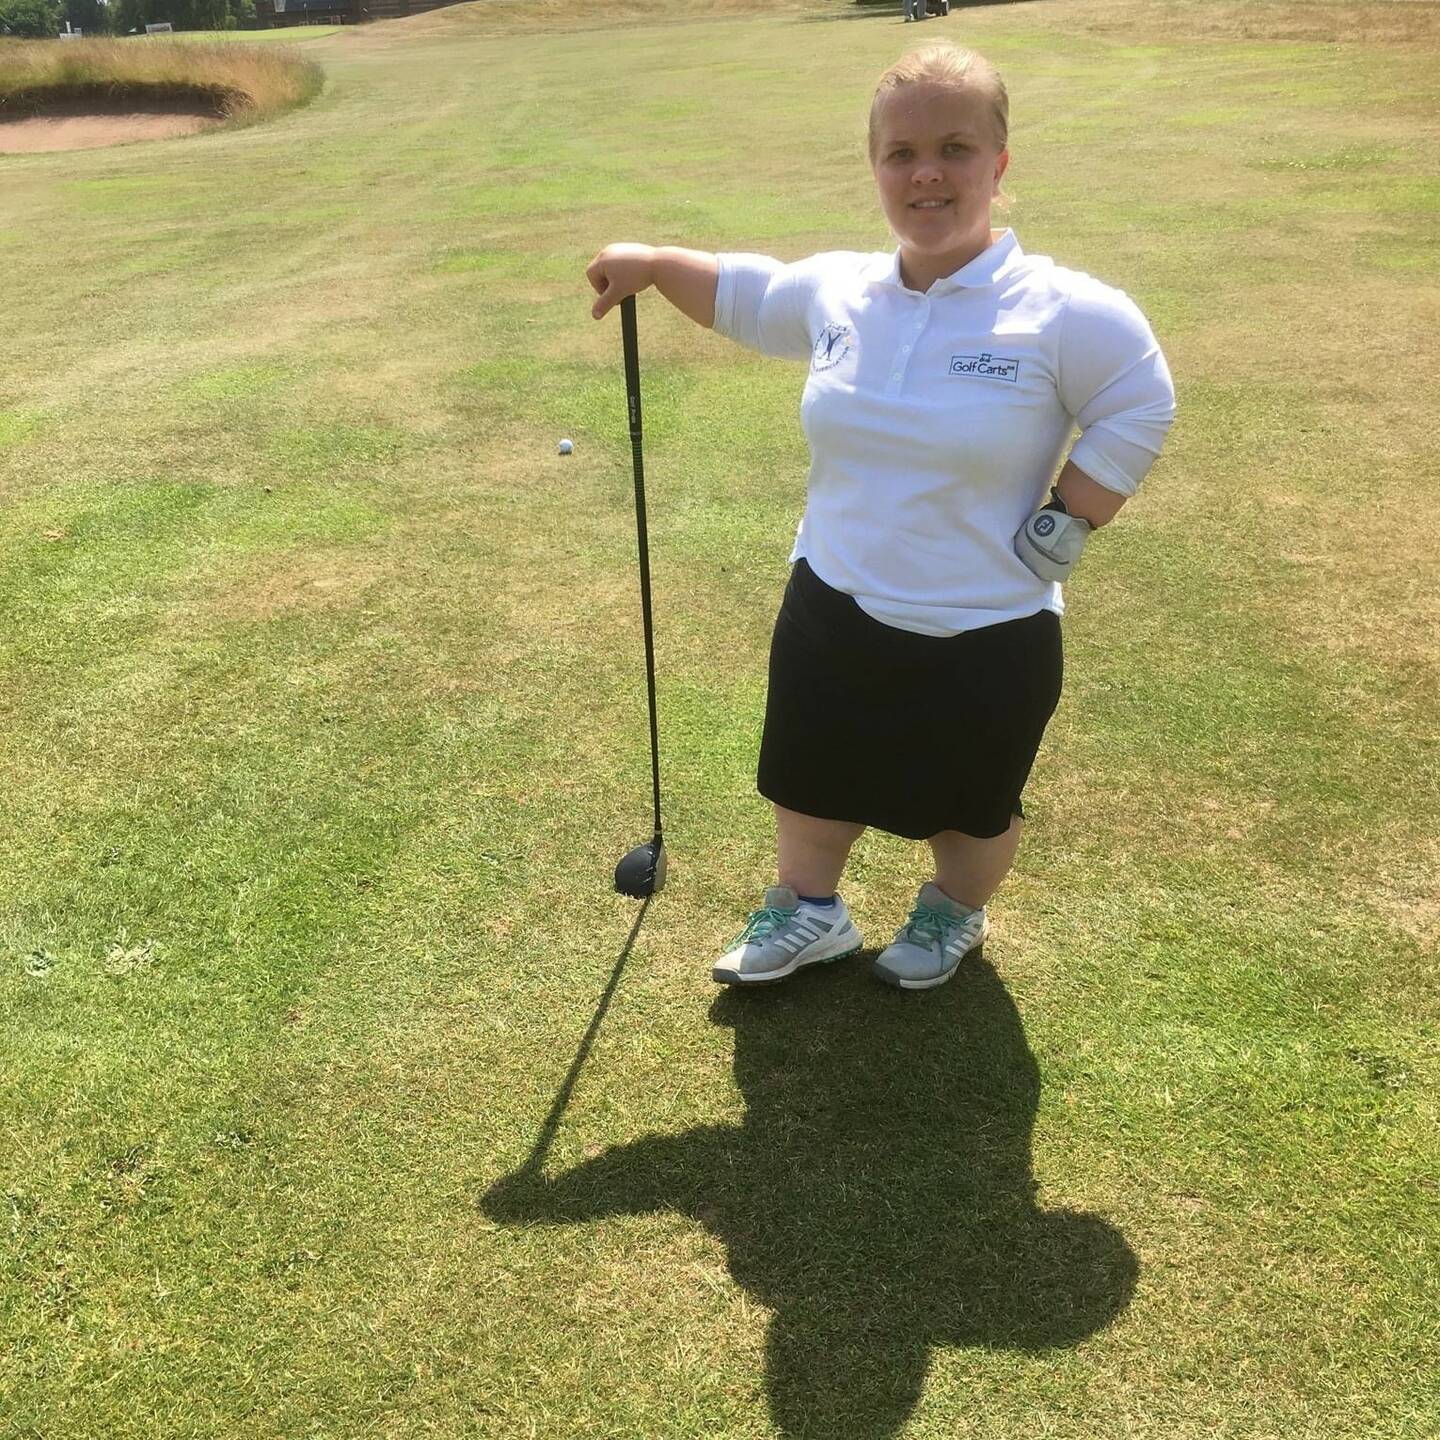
1112,379
1087,498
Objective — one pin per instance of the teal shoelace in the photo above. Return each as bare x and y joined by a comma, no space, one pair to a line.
929,924
760,924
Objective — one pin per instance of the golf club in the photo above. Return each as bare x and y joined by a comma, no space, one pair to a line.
642,871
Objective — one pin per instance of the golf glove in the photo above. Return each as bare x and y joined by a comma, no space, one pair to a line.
1051,540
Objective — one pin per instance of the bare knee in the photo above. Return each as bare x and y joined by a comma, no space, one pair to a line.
812,830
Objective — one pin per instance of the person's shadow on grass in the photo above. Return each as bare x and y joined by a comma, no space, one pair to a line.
878,1198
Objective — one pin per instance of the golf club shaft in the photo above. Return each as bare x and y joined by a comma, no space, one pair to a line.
632,392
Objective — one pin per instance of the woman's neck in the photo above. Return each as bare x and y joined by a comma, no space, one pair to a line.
920,272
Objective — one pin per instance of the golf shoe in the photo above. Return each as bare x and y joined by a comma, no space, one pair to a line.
785,934
939,934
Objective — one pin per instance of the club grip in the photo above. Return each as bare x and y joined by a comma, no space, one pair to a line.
632,362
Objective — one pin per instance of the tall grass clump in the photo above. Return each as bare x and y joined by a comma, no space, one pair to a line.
237,81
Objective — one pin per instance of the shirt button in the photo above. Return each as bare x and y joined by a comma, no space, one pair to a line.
905,350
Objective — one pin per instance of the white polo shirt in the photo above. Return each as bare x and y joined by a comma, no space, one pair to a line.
937,421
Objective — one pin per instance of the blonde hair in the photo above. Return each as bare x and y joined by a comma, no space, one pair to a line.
952,65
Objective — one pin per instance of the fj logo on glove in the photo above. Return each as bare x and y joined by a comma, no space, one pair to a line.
1044,524
990,367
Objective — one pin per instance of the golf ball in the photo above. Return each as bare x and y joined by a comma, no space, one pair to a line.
566,447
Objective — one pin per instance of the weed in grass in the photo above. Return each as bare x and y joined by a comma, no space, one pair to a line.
128,1182
1385,1070
39,963
234,1139
292,1270
122,959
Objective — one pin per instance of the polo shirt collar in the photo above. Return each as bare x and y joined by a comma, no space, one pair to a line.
985,269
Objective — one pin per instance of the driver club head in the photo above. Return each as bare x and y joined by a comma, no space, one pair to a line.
642,872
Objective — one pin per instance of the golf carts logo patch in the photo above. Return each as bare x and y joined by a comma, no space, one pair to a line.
834,344
986,366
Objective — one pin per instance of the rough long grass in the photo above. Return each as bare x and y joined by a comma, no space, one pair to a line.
252,82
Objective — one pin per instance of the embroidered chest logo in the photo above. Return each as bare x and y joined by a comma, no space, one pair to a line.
834,344
986,366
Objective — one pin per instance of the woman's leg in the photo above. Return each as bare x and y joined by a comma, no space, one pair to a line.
970,870
812,853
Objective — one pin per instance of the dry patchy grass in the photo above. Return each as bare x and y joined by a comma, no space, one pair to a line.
1389,22
289,583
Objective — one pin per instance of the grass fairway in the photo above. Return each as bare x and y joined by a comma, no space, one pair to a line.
322,727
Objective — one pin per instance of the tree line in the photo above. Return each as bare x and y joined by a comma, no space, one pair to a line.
44,19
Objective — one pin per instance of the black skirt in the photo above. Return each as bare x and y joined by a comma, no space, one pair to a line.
912,734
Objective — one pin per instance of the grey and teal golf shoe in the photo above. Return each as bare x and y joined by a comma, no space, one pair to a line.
784,935
939,934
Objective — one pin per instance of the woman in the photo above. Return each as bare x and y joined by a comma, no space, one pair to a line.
916,659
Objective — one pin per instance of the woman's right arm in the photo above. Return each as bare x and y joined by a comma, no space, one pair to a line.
686,278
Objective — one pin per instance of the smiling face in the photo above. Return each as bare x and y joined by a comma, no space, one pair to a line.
937,164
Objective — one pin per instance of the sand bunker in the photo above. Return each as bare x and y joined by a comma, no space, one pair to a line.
86,127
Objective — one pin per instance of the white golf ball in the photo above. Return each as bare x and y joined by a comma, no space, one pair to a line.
566,447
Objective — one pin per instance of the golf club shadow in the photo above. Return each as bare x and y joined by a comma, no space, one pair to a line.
562,1096
878,1198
